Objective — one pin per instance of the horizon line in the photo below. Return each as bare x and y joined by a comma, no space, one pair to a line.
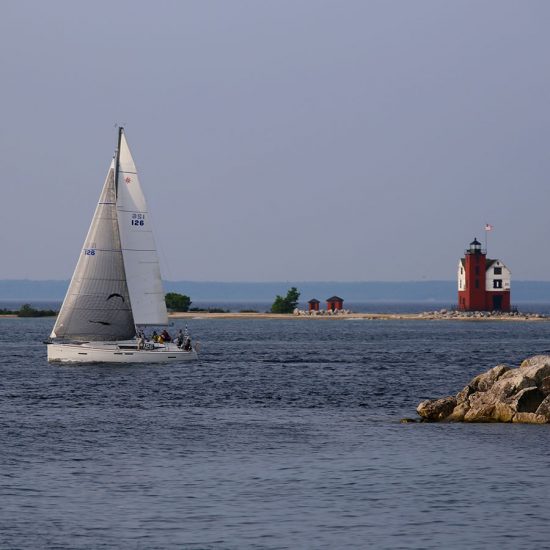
286,281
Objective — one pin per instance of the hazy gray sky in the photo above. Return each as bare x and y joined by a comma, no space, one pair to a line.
281,140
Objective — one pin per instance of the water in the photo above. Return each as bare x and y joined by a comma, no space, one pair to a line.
265,306
285,435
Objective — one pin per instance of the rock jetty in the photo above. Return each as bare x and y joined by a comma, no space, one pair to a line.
474,315
502,394
322,312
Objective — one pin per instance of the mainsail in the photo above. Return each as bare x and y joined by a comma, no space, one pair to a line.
138,244
97,304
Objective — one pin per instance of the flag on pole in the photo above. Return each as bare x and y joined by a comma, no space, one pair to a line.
488,227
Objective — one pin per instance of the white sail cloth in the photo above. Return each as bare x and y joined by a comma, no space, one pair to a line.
138,245
97,303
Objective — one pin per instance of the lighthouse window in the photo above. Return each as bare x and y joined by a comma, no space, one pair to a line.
498,270
477,283
477,270
497,283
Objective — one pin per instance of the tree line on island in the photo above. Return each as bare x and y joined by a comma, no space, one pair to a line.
182,303
174,302
26,310
282,304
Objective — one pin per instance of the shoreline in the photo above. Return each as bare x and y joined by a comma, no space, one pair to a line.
424,316
429,316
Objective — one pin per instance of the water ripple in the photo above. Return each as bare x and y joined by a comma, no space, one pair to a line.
285,435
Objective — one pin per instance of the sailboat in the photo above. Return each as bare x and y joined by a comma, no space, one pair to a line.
116,291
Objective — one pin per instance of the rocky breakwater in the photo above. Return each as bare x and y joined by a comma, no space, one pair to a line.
475,315
502,394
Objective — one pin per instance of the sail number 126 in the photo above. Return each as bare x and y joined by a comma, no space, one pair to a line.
138,219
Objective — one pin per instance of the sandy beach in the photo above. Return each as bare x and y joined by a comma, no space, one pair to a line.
368,316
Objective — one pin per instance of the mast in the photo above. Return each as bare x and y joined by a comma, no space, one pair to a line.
117,157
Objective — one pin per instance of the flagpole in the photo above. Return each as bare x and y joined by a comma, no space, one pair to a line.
488,227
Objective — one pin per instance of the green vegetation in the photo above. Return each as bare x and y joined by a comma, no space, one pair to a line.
248,311
177,302
26,310
288,303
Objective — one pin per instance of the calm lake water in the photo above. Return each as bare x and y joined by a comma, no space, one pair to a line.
265,306
285,435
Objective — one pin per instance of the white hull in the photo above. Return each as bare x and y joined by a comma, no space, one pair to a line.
117,352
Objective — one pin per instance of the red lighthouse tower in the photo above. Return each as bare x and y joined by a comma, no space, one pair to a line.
472,298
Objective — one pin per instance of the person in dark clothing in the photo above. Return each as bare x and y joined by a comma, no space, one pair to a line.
187,344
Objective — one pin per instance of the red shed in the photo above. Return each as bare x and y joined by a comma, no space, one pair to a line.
335,303
314,304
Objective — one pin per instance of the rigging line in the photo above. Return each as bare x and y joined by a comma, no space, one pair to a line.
117,163
165,260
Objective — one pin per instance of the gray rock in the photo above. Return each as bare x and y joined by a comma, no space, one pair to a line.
459,412
544,408
508,385
537,368
436,409
535,360
462,395
484,381
529,418
501,394
503,412
481,413
544,386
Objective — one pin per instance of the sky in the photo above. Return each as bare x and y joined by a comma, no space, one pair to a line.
284,140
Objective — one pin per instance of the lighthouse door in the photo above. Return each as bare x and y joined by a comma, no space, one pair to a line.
497,303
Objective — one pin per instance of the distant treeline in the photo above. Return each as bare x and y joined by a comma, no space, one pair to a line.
408,291
28,311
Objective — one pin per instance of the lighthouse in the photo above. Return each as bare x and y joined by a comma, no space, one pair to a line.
483,284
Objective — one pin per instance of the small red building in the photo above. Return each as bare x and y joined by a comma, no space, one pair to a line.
335,303
313,305
483,284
